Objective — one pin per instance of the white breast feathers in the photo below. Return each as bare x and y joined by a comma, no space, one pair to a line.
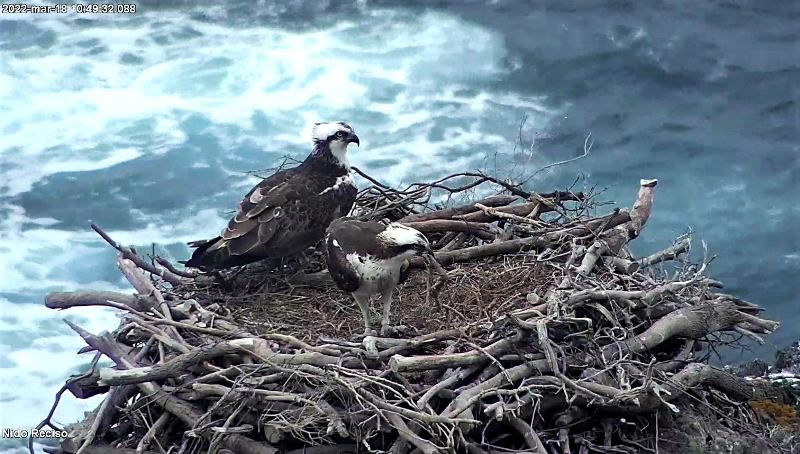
345,180
375,273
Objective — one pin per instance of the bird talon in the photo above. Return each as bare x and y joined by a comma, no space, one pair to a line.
391,330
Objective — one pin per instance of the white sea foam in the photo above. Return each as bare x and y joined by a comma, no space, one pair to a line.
227,75
42,364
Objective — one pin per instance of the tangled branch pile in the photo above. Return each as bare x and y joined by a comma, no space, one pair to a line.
548,337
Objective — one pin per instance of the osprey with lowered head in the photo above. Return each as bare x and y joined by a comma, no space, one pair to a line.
368,258
289,210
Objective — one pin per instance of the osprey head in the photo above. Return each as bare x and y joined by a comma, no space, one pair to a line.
336,136
411,241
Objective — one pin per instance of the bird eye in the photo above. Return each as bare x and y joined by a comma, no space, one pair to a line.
340,134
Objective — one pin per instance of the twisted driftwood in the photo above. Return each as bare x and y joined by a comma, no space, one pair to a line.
547,329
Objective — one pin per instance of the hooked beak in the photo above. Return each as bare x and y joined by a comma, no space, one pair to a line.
353,138
423,249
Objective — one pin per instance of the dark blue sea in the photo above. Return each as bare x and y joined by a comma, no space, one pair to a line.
147,123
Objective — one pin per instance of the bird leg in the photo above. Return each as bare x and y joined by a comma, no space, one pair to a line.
386,303
363,303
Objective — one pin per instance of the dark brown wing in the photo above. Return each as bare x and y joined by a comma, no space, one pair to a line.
262,212
274,219
342,271
357,236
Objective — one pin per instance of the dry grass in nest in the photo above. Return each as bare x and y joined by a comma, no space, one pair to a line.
476,293
780,414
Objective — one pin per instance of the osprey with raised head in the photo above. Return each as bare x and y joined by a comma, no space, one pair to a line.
368,259
290,210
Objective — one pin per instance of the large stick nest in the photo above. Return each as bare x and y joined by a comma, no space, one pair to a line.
547,336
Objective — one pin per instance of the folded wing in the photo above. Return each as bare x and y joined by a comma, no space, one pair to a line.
273,219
